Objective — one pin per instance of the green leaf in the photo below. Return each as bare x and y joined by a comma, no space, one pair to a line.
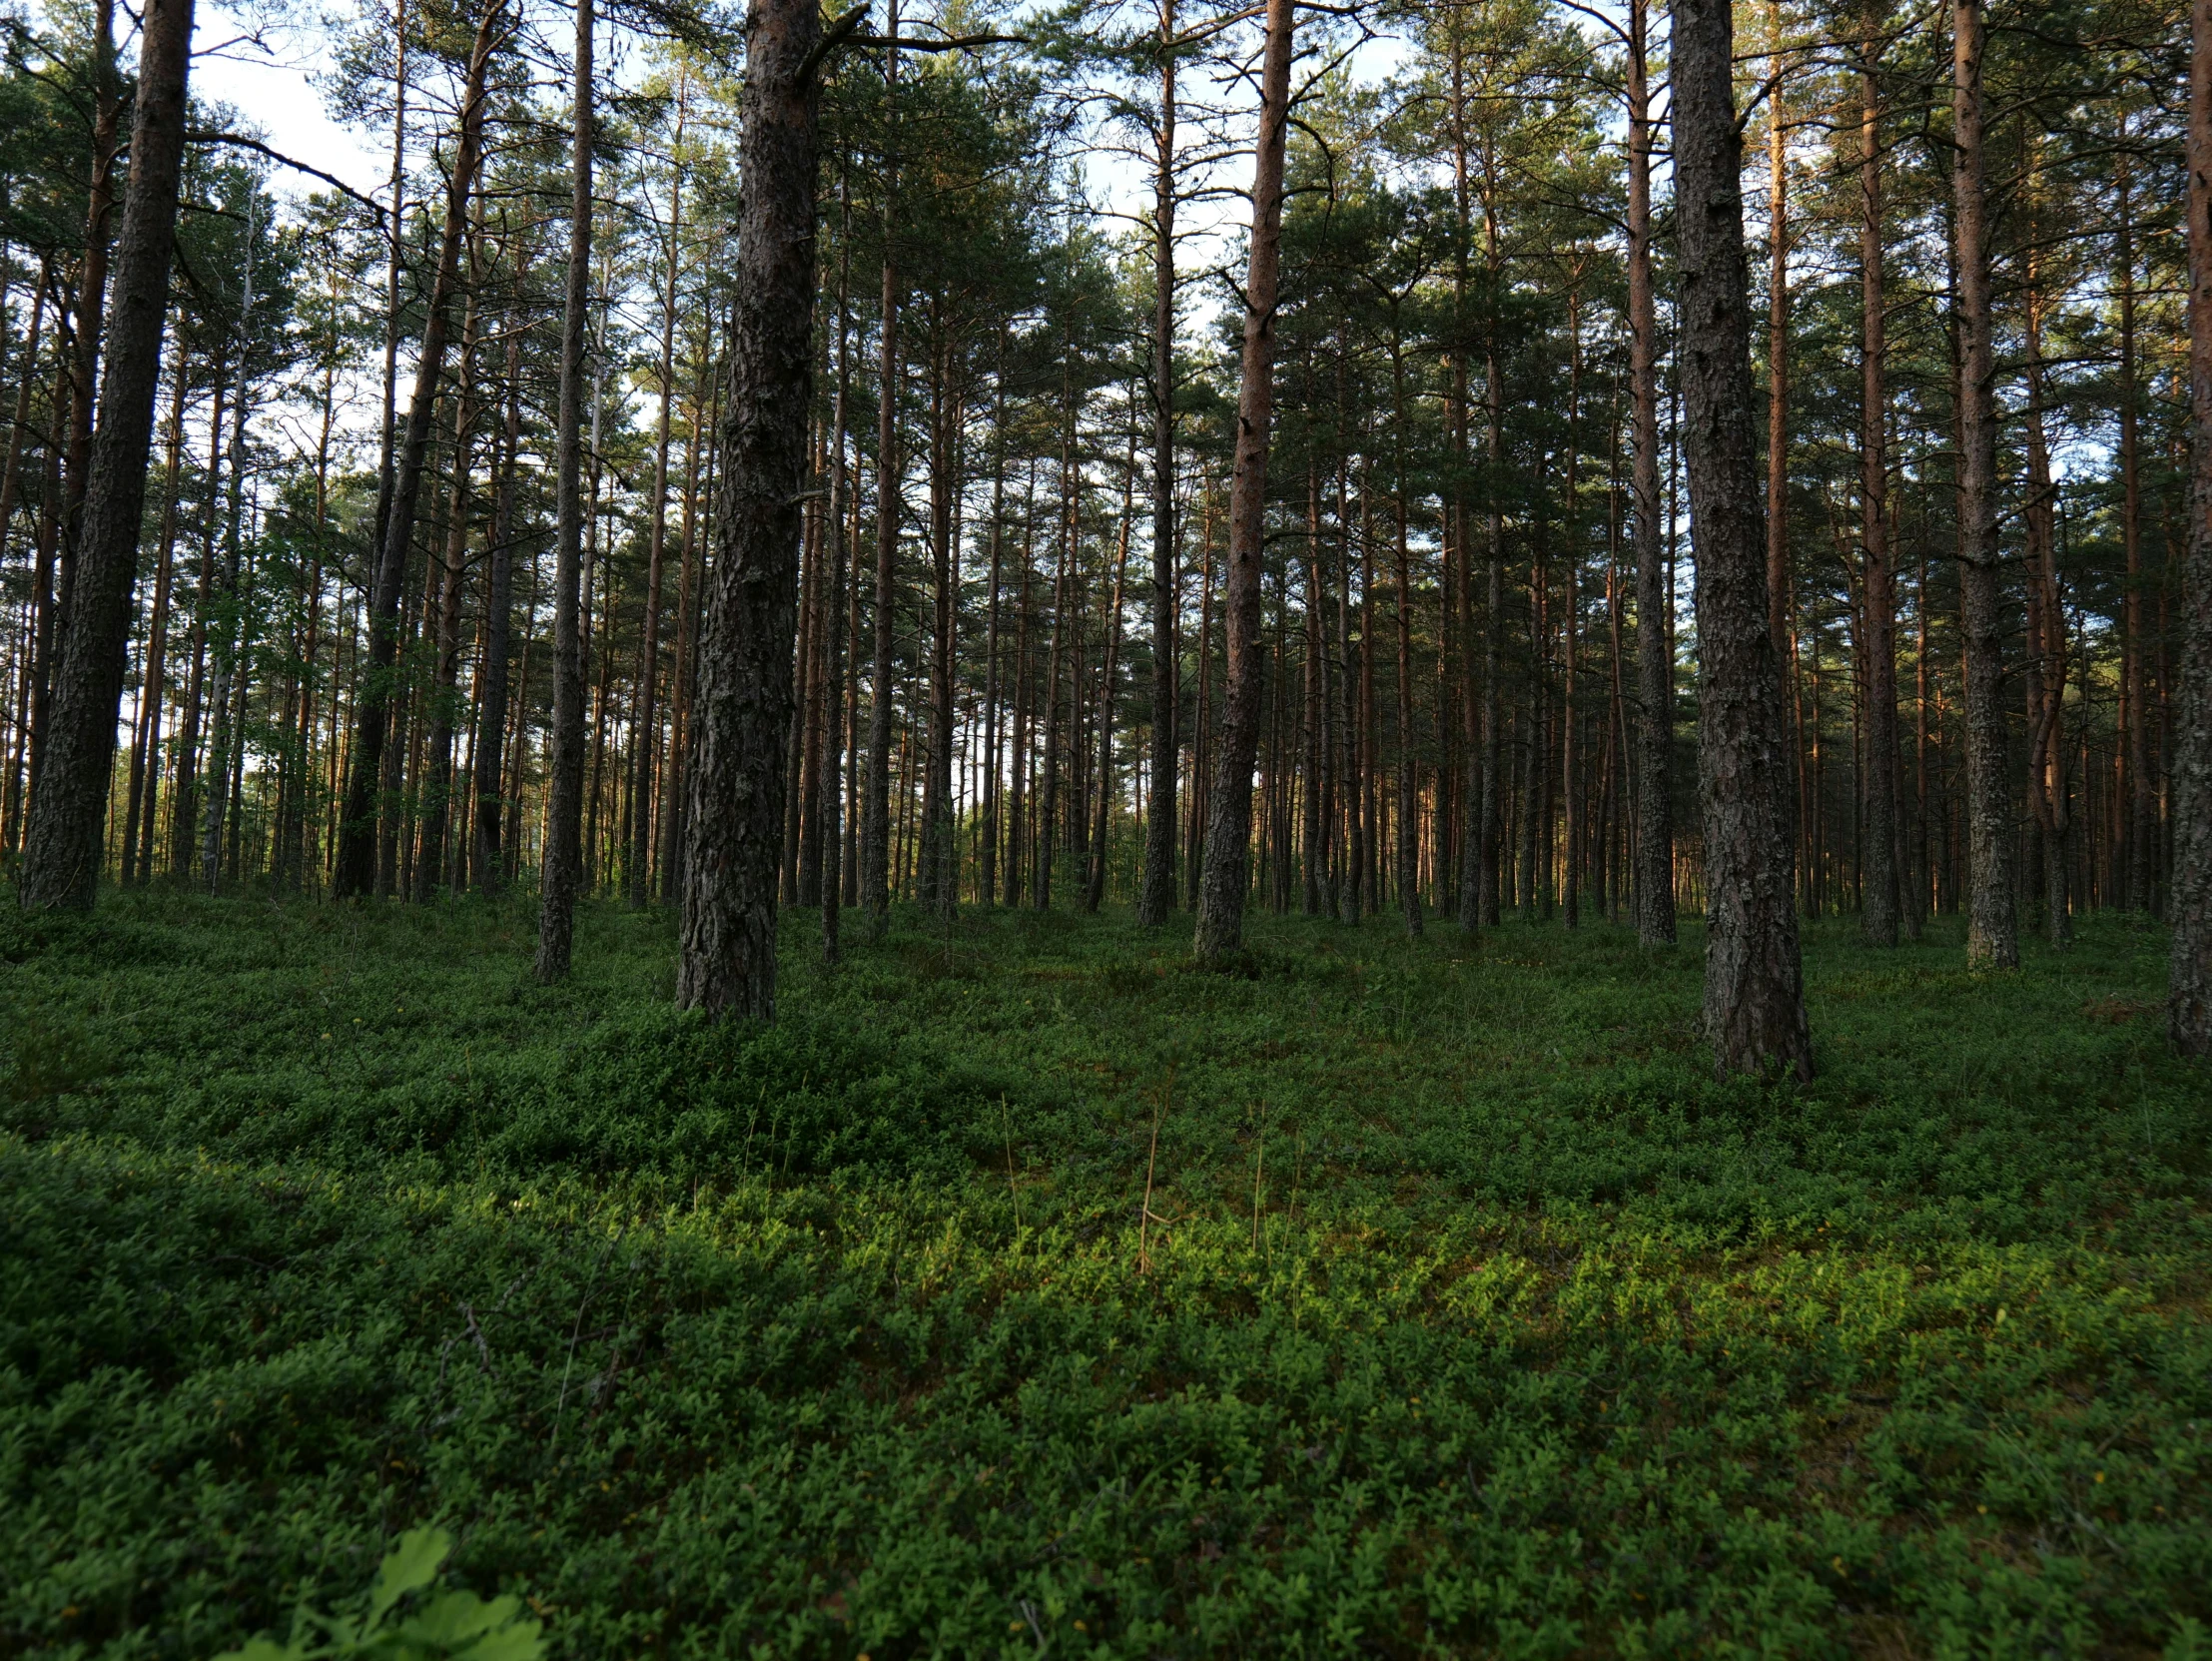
265,1649
409,1567
515,1641
458,1618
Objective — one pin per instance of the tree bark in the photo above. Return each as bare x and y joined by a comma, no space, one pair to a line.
2189,1002
62,853
1155,896
1655,668
646,743
1992,931
1753,984
875,838
561,866
734,830
1226,874
489,835
1880,898
356,871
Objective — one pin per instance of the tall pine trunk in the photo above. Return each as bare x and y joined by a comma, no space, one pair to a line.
1878,904
561,869
1226,875
1655,668
1155,895
62,852
1992,931
1754,982
742,714
2189,1005
375,704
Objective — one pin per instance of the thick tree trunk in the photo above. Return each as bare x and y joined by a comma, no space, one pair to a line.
1228,871
1155,896
357,872
1880,899
2189,1005
1655,668
734,831
561,867
1992,931
1754,982
62,853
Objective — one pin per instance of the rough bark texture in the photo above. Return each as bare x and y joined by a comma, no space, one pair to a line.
486,862
1878,904
356,864
2190,1007
742,732
62,852
563,861
875,826
1157,896
1227,873
1655,667
1754,982
1992,931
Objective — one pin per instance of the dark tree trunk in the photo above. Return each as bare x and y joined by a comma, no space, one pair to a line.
438,786
2189,1006
734,831
1227,870
356,875
1754,982
875,830
1155,896
488,836
1655,666
1878,902
1992,931
561,867
62,853
646,743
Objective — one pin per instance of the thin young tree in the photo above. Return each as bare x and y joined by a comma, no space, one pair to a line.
1225,875
1754,979
62,850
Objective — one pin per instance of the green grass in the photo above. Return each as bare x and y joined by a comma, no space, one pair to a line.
320,1224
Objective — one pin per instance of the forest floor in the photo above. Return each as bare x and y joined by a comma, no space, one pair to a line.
1476,1317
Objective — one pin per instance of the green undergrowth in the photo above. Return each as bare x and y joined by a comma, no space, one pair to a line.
1472,1316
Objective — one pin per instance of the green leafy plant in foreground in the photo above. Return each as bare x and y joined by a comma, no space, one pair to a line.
453,1626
